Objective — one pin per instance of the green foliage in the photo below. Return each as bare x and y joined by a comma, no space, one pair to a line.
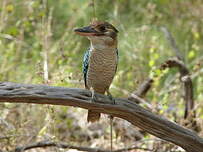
29,28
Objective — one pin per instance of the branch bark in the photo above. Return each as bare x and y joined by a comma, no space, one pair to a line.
128,110
185,78
44,144
184,72
142,90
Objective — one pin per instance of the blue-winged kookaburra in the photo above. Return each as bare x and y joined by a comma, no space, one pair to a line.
100,60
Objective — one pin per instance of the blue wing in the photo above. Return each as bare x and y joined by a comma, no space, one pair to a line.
85,66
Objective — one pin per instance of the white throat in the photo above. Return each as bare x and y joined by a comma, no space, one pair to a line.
101,43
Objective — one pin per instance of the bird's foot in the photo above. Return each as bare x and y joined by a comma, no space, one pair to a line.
111,97
94,98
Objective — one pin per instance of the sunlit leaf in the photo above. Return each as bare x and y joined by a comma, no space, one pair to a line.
191,54
151,63
196,35
9,8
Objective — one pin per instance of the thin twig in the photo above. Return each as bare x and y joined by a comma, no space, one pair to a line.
46,30
3,15
12,136
94,10
44,144
111,132
172,43
132,148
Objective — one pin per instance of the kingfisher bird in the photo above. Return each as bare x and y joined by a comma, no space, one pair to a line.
100,60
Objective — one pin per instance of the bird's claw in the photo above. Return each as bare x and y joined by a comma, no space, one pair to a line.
111,97
94,98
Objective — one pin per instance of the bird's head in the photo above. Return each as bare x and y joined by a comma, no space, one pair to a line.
101,34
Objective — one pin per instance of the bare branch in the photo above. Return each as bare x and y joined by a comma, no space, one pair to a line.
184,72
45,144
131,148
125,109
185,78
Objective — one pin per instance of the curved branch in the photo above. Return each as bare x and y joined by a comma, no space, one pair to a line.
128,110
185,78
184,72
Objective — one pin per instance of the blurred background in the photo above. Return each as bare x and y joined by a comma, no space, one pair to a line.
38,46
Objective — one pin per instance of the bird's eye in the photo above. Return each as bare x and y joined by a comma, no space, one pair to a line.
102,28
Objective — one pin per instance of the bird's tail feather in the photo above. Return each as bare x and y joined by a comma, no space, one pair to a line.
93,116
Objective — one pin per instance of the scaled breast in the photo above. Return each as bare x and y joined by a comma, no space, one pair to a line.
102,68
